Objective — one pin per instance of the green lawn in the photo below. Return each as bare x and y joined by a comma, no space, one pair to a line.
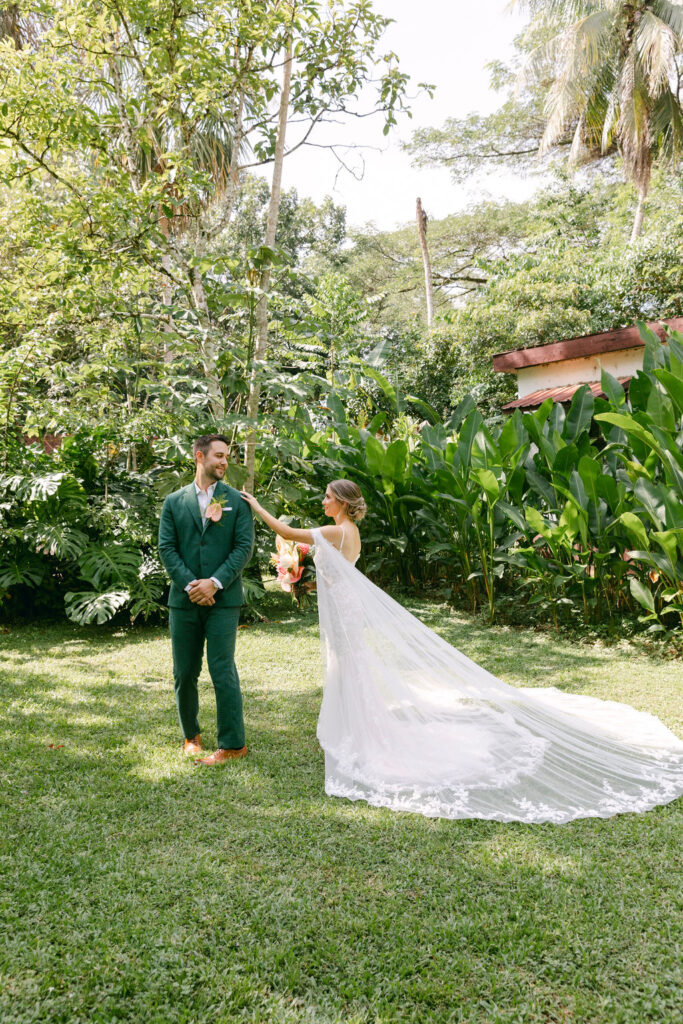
137,887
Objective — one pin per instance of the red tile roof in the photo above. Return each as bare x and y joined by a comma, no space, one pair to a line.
563,394
575,348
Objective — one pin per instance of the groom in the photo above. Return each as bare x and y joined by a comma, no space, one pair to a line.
206,537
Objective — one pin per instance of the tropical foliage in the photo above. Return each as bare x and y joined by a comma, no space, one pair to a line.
133,317
512,275
579,511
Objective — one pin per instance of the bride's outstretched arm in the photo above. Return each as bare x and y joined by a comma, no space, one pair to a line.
276,525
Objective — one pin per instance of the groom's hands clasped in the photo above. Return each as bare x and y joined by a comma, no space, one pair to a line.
202,592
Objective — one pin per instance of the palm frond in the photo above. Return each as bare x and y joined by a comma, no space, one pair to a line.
537,61
590,36
579,45
559,10
666,126
578,151
633,127
609,123
616,71
212,148
656,46
671,13
580,62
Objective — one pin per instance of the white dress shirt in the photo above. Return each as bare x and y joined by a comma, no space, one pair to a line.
204,497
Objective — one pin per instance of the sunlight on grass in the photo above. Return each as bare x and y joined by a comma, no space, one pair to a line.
141,888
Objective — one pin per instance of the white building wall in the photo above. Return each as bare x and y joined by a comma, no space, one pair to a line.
623,363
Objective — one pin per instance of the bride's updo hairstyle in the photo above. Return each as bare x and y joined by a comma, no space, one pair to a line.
349,493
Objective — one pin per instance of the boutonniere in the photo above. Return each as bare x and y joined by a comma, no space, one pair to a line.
215,509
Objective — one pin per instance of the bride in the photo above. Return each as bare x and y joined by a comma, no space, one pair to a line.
410,723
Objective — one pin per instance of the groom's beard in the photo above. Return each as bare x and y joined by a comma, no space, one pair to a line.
215,474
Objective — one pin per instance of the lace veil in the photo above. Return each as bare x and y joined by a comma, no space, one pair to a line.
410,723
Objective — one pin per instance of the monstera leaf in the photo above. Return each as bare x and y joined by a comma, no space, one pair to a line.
56,540
102,564
88,607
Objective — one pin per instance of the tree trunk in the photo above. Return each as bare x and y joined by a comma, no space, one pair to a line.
640,214
422,234
166,288
262,304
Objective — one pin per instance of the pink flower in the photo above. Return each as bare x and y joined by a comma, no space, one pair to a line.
304,549
283,580
286,577
214,511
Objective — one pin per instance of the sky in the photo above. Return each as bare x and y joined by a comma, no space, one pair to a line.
446,43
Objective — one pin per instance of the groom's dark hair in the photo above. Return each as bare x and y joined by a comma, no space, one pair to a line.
204,442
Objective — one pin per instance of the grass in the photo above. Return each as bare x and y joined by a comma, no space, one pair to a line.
137,887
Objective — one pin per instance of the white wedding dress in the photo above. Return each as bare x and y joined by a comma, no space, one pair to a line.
408,722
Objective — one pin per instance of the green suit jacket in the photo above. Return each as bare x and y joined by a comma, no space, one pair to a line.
192,551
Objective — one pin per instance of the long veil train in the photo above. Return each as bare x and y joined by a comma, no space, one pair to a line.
410,723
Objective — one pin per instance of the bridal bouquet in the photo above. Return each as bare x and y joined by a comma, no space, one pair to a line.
295,569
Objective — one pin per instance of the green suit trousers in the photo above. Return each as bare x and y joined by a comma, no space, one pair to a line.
190,629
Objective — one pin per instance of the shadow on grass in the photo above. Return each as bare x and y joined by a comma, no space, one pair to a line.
149,890
130,728
539,659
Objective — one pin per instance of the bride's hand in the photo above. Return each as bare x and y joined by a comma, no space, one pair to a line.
250,500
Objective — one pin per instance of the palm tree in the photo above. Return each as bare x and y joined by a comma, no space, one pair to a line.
618,67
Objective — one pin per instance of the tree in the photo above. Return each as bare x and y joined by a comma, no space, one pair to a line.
617,77
125,133
269,242
329,328
550,268
329,53
387,266
131,121
590,78
508,138
421,218
19,23
308,234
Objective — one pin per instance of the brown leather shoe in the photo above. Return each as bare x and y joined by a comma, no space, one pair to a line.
221,755
193,746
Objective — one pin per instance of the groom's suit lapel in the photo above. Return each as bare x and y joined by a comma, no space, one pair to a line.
193,505
221,490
